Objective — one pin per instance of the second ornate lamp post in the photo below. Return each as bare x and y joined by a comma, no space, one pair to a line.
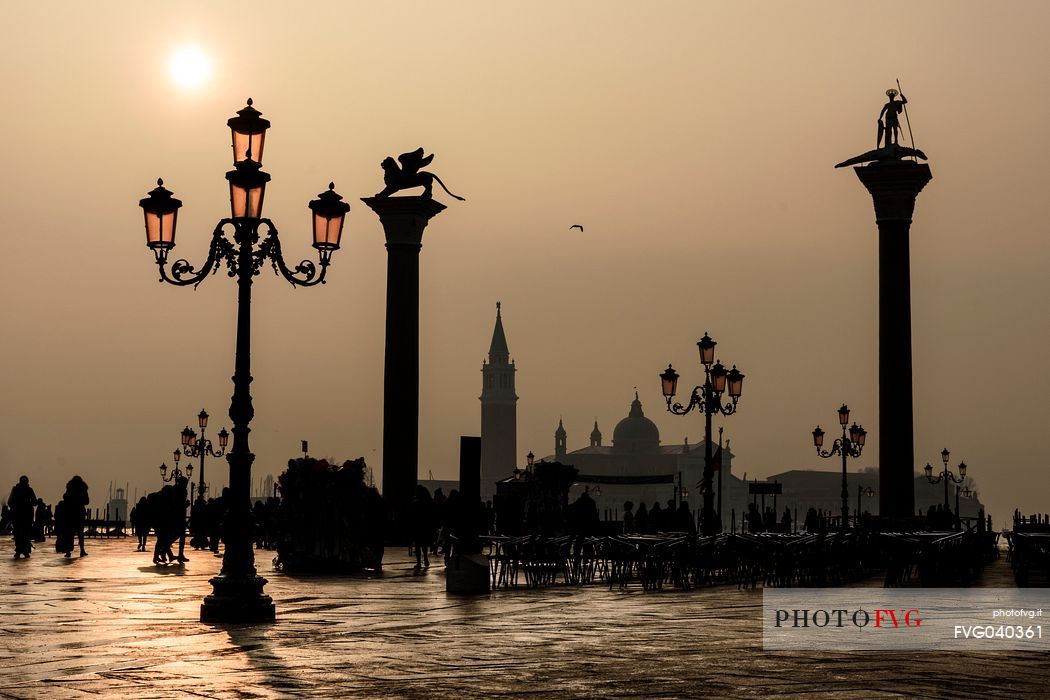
706,398
176,473
243,242
946,476
847,446
194,446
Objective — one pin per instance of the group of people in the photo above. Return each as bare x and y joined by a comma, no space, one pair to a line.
644,521
164,512
32,520
766,520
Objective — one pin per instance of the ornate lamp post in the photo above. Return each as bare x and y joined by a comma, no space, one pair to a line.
847,446
243,242
176,473
946,476
194,446
706,398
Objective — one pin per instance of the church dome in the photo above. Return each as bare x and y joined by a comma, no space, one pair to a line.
636,433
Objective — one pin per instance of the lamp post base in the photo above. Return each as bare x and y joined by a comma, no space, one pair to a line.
238,600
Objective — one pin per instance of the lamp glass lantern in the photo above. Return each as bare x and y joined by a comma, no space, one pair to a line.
944,456
669,382
530,459
224,438
844,415
329,213
247,189
163,469
176,456
736,383
187,436
161,212
202,419
929,470
962,469
854,433
706,346
818,437
861,435
718,378
248,132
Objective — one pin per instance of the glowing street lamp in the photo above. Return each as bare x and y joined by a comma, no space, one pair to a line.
706,398
243,242
851,444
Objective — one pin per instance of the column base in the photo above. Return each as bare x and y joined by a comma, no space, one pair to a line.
238,600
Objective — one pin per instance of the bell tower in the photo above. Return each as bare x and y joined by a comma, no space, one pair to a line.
499,412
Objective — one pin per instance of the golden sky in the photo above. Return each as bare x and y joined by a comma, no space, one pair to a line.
693,140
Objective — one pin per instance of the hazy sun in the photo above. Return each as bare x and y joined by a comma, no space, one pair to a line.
189,66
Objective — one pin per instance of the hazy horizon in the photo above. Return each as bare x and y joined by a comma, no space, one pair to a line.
694,142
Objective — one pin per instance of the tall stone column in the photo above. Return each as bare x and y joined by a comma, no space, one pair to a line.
403,219
894,185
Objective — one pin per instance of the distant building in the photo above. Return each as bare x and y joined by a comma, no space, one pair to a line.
618,472
118,505
499,413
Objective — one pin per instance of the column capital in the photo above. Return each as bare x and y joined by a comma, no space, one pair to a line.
404,218
893,186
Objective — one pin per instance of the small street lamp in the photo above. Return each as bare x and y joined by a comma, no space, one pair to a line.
851,444
947,476
243,242
706,398
194,446
176,473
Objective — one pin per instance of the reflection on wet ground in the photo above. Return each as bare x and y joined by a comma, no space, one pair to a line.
113,625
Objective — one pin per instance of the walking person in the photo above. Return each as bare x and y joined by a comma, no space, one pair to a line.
422,526
22,503
76,501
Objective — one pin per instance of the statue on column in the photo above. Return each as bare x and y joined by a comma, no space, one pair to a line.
408,175
887,142
890,129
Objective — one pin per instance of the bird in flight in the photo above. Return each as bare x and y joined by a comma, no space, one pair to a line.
576,226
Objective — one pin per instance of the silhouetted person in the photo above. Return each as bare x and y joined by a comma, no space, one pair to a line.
40,521
76,498
422,525
439,521
177,515
810,523
684,518
22,503
656,518
769,519
584,515
641,519
139,517
216,515
785,521
64,528
628,517
754,518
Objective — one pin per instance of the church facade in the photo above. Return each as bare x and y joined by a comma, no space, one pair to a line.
636,467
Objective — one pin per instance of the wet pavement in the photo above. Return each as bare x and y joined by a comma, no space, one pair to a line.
114,625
